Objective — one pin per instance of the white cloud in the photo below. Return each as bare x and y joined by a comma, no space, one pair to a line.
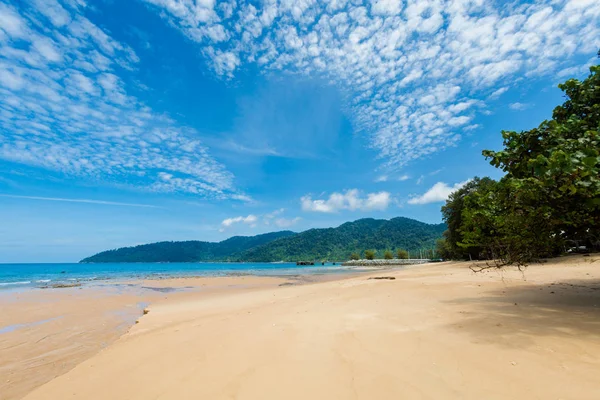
409,68
386,7
377,201
519,106
459,121
274,214
437,193
381,178
286,223
499,92
350,200
248,220
272,218
574,72
403,178
64,108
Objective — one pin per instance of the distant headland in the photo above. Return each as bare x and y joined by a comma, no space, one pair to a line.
327,244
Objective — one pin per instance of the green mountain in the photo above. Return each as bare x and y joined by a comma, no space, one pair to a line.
337,244
334,244
188,251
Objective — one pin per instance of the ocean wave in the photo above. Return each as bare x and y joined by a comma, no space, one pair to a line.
15,283
43,281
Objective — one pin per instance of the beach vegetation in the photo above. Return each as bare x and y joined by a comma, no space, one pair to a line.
548,201
388,255
401,254
441,248
370,254
355,256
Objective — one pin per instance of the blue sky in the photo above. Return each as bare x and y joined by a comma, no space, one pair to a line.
132,121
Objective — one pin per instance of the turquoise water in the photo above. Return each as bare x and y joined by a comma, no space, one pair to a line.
16,276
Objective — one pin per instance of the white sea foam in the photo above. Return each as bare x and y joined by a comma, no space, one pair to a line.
14,283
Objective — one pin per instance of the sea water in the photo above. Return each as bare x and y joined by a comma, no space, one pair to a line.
18,276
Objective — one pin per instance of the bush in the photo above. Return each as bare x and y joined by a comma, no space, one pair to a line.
354,256
442,249
370,254
388,255
402,254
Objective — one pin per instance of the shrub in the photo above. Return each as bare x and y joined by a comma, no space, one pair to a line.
402,254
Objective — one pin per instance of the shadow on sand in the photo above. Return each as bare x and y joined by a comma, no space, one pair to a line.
515,315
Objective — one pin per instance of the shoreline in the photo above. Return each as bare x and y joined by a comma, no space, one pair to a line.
115,307
66,278
46,333
436,331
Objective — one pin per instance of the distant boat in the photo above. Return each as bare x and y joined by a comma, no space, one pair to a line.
305,263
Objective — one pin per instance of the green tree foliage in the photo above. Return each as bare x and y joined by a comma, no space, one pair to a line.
354,256
370,254
401,254
388,255
351,237
442,249
554,170
452,214
315,244
187,251
549,198
496,222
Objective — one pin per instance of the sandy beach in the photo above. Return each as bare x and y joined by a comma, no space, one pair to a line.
44,333
436,331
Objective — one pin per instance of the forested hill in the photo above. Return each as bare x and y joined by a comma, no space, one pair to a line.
188,251
338,243
315,244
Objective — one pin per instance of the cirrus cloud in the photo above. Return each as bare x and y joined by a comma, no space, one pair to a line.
65,108
412,70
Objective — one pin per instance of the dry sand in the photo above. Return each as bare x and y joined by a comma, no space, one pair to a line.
435,332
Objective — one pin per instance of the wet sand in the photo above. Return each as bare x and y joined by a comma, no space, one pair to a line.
46,332
435,331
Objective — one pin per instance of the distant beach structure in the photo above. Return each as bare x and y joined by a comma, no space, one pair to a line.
385,263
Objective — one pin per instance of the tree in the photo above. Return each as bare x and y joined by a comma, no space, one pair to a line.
354,256
402,254
370,254
552,184
388,255
452,214
442,249
550,194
